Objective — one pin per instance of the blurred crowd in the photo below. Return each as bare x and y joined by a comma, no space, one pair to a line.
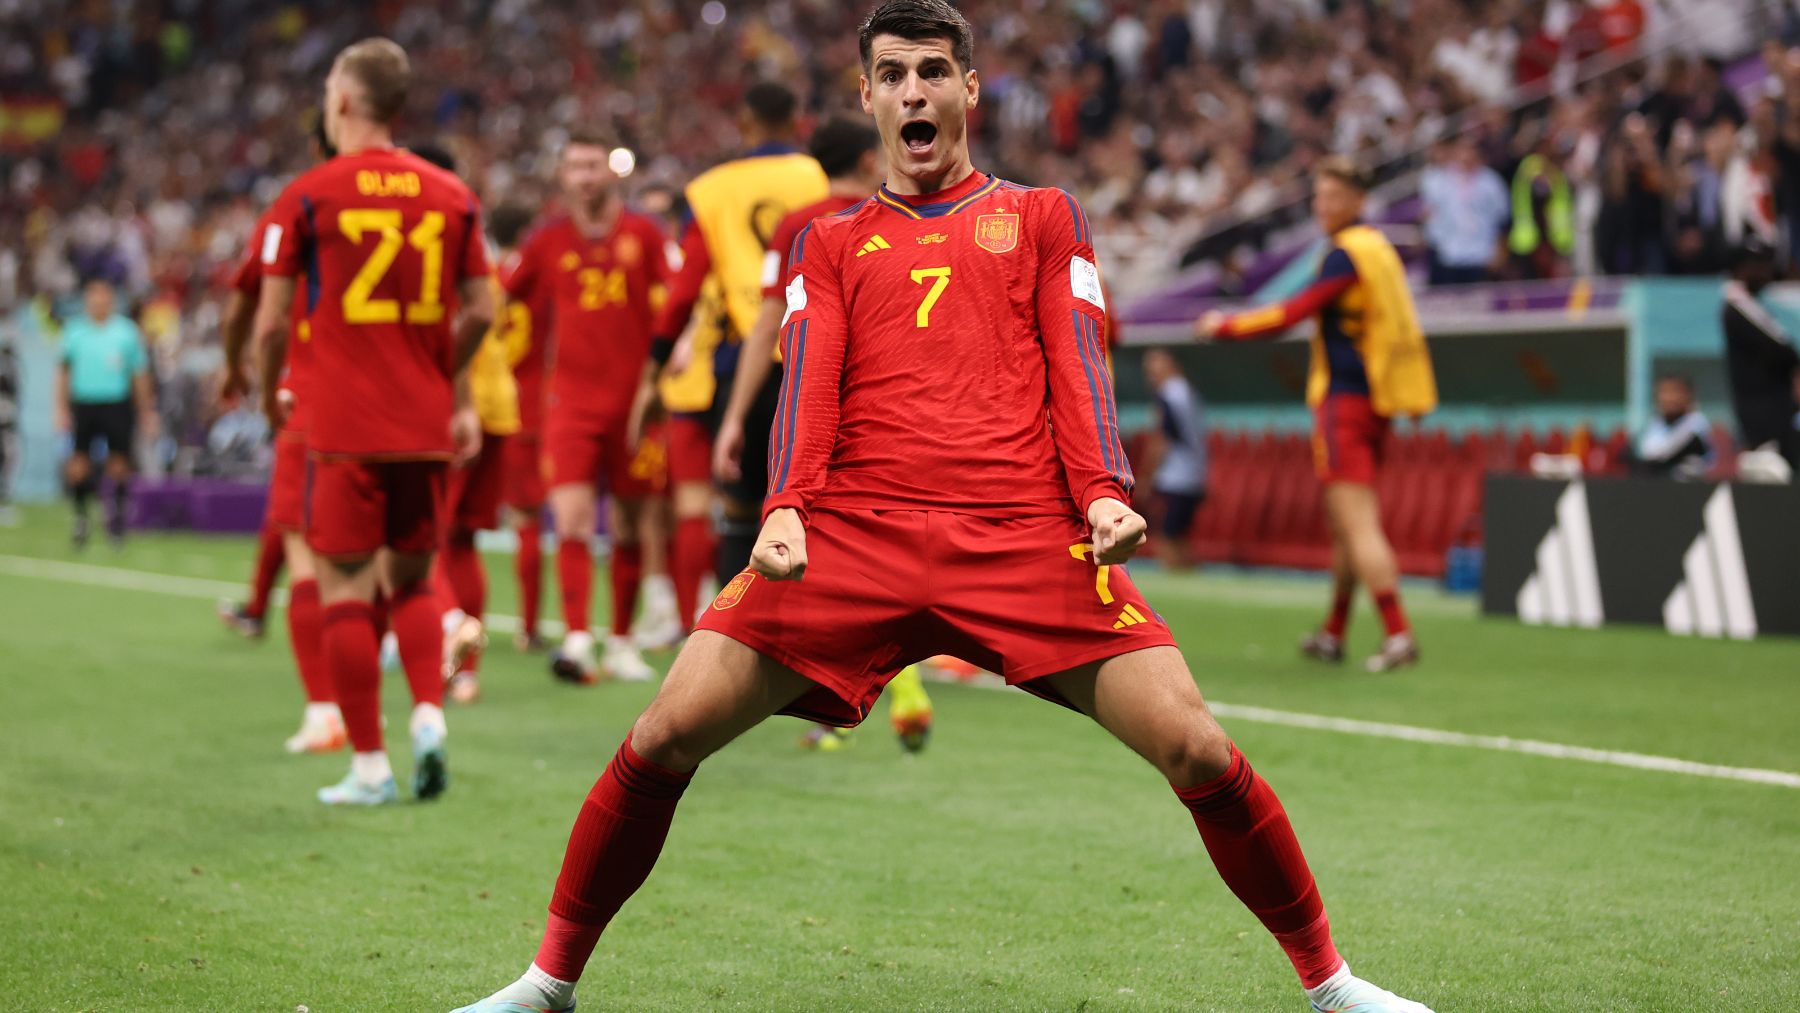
139,138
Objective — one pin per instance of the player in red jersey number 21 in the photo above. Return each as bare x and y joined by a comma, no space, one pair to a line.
969,524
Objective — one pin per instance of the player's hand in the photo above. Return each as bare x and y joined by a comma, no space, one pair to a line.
641,405
1209,325
465,435
233,383
278,404
728,446
1118,531
64,420
780,552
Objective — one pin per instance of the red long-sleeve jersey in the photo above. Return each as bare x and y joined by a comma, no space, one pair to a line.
944,353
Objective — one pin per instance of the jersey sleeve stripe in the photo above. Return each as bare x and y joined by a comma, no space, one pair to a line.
798,252
1075,215
1110,404
797,364
776,427
1087,366
311,238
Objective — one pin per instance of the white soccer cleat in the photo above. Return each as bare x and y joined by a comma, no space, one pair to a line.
463,637
660,626
574,660
623,662
321,731
1398,651
1344,992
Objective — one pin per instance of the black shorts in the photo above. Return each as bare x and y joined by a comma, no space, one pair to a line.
112,421
752,485
1178,510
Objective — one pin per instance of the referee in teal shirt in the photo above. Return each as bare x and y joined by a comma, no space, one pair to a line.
104,370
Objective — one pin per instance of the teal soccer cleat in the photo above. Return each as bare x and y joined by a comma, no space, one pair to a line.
354,791
431,763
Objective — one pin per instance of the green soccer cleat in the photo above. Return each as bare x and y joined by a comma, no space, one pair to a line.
1344,992
355,791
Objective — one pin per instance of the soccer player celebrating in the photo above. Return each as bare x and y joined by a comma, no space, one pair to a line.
391,244
955,526
598,265
1369,364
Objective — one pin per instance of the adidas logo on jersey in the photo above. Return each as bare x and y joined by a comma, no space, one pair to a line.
875,243
1130,617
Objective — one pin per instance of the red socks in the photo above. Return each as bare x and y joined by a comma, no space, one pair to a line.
306,623
627,574
611,850
352,652
271,552
419,627
1252,844
690,560
528,563
1392,615
1339,619
575,572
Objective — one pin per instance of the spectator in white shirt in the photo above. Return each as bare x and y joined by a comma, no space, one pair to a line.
1466,210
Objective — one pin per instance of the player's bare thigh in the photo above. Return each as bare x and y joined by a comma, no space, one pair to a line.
717,690
1147,699
299,557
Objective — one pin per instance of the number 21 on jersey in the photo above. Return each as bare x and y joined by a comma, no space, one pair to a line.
427,237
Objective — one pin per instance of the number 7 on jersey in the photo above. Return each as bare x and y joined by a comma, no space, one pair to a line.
940,280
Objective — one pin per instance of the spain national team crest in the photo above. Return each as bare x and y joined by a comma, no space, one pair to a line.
997,233
629,250
734,592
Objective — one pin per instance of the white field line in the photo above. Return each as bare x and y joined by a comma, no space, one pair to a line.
191,587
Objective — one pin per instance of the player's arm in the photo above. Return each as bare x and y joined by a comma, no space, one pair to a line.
814,332
240,313
474,318
683,287
65,415
273,307
755,363
1071,314
1336,275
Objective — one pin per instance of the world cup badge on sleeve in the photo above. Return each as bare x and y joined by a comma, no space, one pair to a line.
997,233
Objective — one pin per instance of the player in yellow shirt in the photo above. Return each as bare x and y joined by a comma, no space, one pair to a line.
1369,364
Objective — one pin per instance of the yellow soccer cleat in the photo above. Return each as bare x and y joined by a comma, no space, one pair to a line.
909,709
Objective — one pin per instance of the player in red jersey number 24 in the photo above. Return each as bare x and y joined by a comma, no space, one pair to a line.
969,524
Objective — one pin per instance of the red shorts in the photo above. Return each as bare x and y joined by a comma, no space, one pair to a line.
287,483
474,489
1349,439
690,449
886,588
583,457
522,461
354,507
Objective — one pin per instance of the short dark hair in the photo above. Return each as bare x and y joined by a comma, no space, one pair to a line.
507,224
437,155
772,105
1345,171
1682,380
327,150
840,143
915,20
591,136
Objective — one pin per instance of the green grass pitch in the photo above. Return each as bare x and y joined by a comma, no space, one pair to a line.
159,852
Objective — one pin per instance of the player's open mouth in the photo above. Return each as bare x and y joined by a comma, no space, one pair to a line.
918,136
